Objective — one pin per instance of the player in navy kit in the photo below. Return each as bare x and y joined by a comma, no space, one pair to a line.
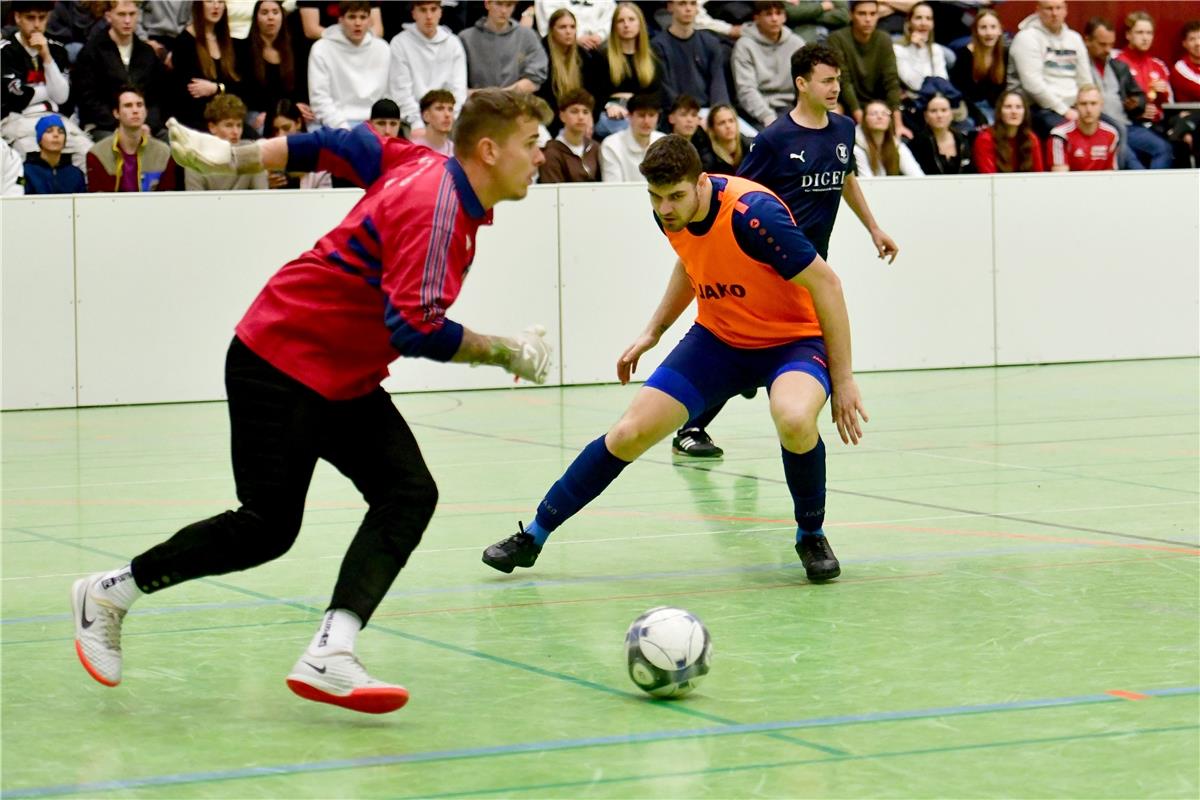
303,371
807,158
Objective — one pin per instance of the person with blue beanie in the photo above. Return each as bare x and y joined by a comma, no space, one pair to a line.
46,171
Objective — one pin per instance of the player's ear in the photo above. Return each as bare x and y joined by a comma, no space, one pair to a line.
488,151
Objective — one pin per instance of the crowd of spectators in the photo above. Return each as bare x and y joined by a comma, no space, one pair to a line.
934,87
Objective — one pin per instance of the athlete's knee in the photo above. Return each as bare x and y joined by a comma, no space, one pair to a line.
265,534
797,432
631,437
408,506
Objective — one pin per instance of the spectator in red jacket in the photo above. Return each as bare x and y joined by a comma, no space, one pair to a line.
1010,145
1086,143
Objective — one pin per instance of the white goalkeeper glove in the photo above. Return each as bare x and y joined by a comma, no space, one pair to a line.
530,355
208,155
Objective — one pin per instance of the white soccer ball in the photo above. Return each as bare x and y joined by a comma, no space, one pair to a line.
668,651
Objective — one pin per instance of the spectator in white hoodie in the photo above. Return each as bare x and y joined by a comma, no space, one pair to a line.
762,64
347,69
426,56
1049,62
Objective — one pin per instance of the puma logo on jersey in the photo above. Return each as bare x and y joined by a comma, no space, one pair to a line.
716,291
799,156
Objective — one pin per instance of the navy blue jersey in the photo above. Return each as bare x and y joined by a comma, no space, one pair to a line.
806,167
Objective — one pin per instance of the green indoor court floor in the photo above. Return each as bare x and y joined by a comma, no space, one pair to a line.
1016,617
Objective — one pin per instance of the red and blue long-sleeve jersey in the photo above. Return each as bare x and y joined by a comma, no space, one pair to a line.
378,285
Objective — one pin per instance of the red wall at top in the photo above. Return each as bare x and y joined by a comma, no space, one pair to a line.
1169,17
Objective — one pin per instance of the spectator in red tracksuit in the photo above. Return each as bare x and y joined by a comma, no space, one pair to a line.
303,373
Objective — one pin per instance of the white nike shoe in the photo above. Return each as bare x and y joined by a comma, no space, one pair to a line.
341,680
97,631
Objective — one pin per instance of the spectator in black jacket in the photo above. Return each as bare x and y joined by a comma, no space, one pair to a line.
102,69
34,82
268,65
203,63
938,147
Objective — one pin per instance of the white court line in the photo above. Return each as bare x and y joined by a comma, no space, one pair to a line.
641,537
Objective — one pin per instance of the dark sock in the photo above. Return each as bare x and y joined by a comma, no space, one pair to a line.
589,474
805,473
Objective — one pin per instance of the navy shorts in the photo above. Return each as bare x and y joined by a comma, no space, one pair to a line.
703,371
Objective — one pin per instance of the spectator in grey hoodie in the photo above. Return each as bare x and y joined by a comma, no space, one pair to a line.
502,53
762,64
1049,62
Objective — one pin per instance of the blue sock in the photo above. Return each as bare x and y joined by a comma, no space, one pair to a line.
589,474
539,534
805,473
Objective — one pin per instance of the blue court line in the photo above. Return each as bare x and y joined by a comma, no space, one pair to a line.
501,585
799,763
593,741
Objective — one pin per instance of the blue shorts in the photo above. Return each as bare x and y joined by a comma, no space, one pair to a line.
703,371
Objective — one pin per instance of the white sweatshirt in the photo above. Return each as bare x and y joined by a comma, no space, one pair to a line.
1049,67
908,163
915,63
419,64
621,155
344,81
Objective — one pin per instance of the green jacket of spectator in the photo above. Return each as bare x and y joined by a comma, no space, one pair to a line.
811,12
868,70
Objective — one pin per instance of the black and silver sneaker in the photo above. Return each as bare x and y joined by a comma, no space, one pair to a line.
518,550
694,442
820,564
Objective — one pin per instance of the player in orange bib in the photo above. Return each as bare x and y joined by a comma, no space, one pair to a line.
771,313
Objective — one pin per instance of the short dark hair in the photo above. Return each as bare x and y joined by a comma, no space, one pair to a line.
1094,24
643,102
26,6
354,5
685,102
493,114
856,3
762,6
576,97
125,88
1189,27
807,57
670,160
225,106
436,96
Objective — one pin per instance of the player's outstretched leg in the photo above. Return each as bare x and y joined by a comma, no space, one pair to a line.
650,418
796,400
99,603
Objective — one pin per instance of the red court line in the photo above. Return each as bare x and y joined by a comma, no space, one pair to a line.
1124,695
